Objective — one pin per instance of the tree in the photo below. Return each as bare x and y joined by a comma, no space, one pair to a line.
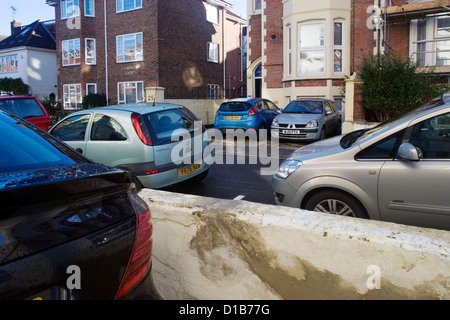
16,86
392,86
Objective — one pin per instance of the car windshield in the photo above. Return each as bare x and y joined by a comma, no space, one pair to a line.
24,149
235,106
355,136
23,107
304,106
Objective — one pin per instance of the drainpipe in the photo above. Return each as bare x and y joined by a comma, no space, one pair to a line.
106,58
224,14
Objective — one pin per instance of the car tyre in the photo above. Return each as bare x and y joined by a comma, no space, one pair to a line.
322,134
336,202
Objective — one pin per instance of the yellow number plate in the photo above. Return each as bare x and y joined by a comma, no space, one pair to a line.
188,170
233,117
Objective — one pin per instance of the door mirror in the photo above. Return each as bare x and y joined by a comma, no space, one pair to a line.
408,152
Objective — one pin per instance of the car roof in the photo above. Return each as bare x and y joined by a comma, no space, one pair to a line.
245,100
9,97
138,107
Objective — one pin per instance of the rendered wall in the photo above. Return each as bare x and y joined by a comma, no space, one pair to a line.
206,248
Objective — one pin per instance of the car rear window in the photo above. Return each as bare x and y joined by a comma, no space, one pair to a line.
235,106
24,149
165,122
24,107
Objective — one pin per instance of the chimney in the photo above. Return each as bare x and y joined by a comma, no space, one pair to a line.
15,27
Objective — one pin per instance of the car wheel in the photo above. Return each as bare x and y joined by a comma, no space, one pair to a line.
322,134
335,202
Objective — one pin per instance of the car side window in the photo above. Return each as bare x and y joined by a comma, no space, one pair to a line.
105,128
261,105
384,149
432,136
72,129
271,105
328,109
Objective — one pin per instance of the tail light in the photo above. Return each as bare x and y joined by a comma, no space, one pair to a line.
253,111
140,260
141,128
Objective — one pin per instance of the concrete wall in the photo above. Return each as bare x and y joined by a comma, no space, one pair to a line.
207,248
204,109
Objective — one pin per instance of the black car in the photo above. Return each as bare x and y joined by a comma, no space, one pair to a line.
69,228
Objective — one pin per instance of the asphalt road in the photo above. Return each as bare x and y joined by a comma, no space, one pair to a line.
240,172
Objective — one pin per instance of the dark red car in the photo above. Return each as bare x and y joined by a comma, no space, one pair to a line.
29,108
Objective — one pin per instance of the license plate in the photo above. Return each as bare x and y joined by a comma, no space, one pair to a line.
291,131
189,169
233,117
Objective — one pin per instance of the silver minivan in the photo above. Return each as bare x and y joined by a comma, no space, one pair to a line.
398,171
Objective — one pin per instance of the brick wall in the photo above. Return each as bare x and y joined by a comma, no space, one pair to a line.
254,33
175,36
274,43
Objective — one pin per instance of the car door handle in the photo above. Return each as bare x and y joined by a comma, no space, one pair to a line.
79,150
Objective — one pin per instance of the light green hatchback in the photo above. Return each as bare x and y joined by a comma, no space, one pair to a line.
163,144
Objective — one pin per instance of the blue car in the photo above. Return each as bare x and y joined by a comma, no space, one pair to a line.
246,113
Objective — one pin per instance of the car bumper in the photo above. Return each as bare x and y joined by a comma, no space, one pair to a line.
146,290
284,193
295,134
250,124
173,176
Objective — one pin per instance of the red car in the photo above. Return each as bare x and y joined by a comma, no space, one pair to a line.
29,108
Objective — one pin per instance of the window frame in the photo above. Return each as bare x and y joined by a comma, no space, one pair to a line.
119,47
65,5
136,84
340,47
213,48
94,55
213,91
320,47
67,103
88,3
122,5
91,85
76,53
7,65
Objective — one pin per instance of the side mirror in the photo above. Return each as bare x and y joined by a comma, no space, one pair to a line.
408,152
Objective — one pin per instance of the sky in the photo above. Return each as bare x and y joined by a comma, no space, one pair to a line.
28,11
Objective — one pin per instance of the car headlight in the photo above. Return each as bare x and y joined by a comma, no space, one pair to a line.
275,123
312,124
287,168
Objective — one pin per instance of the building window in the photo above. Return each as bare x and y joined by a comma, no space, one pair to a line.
91,88
91,52
130,92
71,52
256,5
431,41
311,52
129,47
70,8
338,47
127,5
289,51
72,96
212,13
213,91
89,8
9,64
213,52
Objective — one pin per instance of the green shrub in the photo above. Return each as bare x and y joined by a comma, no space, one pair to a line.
94,100
392,86
14,85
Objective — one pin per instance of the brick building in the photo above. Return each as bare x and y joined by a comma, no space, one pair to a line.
313,48
175,45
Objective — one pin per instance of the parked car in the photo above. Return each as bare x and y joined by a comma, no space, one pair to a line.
69,228
246,114
397,171
307,119
143,138
29,108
